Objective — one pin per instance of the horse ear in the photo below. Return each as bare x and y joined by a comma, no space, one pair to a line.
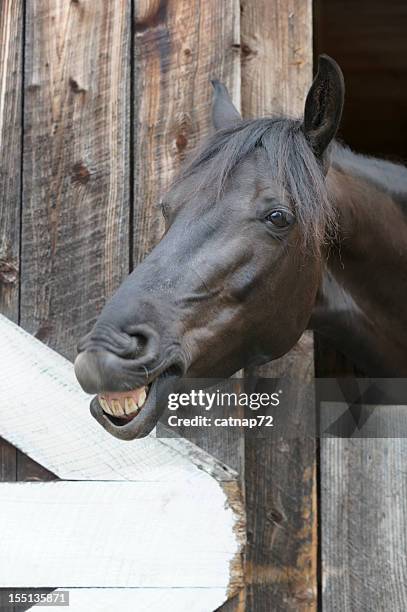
324,104
224,113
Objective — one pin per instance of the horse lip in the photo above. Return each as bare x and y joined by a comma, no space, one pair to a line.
145,421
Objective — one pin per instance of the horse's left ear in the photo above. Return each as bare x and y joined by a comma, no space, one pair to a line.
324,104
224,112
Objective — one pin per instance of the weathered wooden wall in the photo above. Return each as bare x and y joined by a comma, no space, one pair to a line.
363,515
14,465
100,102
11,29
70,111
76,181
178,47
113,96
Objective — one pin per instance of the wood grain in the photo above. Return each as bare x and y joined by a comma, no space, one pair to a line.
76,171
76,177
363,531
7,462
276,44
281,495
178,48
11,62
11,28
276,56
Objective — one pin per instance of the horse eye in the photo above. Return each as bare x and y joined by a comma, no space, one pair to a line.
280,218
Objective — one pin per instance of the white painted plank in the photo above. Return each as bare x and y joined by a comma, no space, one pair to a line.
141,600
173,524
45,413
115,534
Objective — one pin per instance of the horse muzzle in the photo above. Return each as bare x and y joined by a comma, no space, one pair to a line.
129,401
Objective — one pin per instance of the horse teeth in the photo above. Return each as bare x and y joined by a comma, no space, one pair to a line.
132,406
142,399
122,408
125,406
104,404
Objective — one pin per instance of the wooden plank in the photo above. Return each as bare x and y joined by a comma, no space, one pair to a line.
11,29
280,477
11,101
131,600
281,496
76,171
158,483
179,47
76,176
78,448
7,461
276,56
363,530
27,469
141,549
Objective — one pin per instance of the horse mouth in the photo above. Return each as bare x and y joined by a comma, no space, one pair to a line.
124,406
134,414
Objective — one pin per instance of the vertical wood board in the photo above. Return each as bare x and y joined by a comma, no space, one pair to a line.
178,48
11,31
363,524
76,174
276,44
11,65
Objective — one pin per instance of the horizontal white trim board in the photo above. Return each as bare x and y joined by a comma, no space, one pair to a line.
115,534
150,518
141,600
45,413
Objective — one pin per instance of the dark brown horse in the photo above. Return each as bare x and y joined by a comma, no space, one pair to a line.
272,229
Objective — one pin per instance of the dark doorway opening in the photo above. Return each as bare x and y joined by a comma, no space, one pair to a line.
368,39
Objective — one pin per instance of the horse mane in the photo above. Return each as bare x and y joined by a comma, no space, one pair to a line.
290,158
388,176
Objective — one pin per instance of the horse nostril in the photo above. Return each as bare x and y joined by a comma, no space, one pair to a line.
138,342
135,347
144,342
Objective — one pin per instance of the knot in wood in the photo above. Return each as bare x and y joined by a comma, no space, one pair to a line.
8,271
80,173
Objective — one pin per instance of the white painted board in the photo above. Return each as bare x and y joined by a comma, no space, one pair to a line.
115,534
144,522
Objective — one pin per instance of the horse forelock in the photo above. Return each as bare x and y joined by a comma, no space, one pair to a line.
290,159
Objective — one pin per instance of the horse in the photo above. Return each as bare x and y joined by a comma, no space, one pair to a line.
273,228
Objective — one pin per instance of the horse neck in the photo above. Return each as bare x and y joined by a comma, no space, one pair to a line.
361,301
